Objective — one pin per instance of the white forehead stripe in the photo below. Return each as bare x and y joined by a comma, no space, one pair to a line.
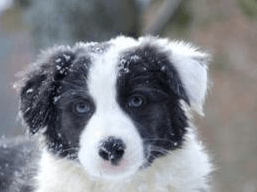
101,81
104,71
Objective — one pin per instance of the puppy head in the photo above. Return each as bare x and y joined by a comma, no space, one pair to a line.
114,106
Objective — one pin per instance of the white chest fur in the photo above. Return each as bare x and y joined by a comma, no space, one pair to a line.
184,170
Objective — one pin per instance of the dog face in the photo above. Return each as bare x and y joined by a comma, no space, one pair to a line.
114,107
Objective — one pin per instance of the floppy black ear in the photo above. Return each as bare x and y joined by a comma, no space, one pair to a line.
41,86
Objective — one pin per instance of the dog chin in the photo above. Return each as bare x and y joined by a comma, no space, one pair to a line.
108,171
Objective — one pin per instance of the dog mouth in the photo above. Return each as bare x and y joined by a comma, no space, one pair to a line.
108,169
111,167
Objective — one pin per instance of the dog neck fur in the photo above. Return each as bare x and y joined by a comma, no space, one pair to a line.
185,169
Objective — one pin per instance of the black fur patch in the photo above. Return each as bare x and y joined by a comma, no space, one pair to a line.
147,75
47,98
50,92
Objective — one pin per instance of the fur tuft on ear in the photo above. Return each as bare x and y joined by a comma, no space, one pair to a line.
41,85
192,65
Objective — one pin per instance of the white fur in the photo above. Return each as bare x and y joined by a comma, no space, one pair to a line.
192,67
182,170
108,120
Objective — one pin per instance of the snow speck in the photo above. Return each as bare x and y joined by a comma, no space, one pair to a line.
126,70
29,91
123,67
62,70
98,49
15,86
58,67
57,98
58,60
67,57
28,109
123,61
135,58
59,135
163,68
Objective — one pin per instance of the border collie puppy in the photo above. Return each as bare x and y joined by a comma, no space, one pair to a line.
116,116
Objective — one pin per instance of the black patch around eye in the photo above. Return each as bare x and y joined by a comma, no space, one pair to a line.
147,65
46,96
160,121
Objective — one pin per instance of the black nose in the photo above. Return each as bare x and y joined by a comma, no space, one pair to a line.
112,149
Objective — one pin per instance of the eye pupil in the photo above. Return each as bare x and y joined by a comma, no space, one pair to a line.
136,101
82,107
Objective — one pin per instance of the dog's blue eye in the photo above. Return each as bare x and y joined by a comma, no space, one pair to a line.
136,101
82,107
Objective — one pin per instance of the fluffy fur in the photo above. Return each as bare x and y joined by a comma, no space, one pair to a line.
115,116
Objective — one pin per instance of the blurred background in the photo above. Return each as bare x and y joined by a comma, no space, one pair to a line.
226,28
